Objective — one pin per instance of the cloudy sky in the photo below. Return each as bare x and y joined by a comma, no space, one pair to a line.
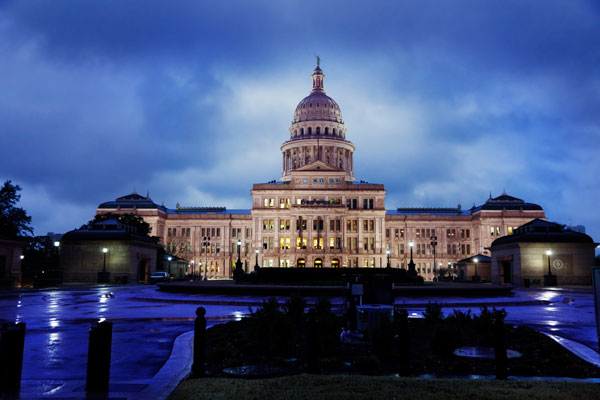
445,101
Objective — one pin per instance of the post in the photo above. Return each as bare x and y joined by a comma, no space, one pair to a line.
238,264
11,357
98,366
411,264
104,277
500,345
549,279
403,341
312,356
198,368
388,259
256,266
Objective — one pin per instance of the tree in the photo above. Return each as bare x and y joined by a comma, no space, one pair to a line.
14,221
141,226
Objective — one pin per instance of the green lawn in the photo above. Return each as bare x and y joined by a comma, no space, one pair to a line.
380,387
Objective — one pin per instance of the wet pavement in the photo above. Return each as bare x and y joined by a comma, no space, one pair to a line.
147,360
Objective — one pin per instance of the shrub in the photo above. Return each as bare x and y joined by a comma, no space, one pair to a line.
447,338
460,317
433,312
271,328
383,338
294,308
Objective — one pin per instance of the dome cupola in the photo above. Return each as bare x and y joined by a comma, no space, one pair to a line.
317,133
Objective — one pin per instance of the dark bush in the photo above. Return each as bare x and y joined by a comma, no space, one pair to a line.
433,312
447,338
383,338
294,308
271,328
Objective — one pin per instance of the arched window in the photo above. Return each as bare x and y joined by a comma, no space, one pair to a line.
302,132
326,130
310,131
296,132
318,130
333,131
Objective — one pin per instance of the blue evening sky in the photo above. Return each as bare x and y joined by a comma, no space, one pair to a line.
446,101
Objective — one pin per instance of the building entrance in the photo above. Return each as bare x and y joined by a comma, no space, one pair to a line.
301,263
335,263
318,263
506,277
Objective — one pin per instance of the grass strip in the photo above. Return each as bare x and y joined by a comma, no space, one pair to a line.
380,387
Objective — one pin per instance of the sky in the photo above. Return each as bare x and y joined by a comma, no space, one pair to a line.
446,102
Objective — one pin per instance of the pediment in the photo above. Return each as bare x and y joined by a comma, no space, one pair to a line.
318,166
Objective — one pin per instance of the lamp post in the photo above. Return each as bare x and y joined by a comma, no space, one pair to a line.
476,277
433,244
104,277
193,271
206,243
256,267
550,279
411,264
238,264
169,258
388,259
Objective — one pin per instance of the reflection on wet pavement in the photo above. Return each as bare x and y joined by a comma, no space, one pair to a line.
146,322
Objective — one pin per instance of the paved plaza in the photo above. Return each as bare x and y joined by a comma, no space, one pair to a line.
151,346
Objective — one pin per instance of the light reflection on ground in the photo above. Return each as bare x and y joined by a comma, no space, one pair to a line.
148,321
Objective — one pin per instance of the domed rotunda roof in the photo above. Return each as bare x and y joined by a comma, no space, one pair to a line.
317,106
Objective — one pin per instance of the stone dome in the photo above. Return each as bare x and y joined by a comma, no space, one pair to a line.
317,106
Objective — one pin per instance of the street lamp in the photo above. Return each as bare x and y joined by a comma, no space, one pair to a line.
388,259
549,280
433,244
169,258
104,250
256,267
193,271
411,264
22,256
476,277
206,243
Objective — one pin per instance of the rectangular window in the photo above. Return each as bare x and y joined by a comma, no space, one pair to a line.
427,233
331,224
497,231
449,249
468,249
317,243
491,231
418,234
402,249
387,233
402,233
331,242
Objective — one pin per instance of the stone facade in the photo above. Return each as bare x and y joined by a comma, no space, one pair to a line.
129,257
318,215
524,255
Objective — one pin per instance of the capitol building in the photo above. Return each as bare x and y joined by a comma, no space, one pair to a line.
319,215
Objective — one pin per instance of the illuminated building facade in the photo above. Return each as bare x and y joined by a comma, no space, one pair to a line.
318,215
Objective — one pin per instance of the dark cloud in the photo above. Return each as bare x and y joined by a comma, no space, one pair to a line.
446,101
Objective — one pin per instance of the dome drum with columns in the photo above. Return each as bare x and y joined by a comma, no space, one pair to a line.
317,133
